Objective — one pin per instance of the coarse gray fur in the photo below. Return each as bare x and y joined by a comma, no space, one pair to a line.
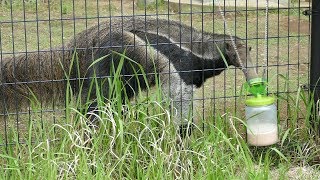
184,58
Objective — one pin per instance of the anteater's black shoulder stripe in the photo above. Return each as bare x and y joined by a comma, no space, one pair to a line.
191,67
181,45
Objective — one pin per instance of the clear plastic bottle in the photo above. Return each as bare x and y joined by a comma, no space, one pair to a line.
261,116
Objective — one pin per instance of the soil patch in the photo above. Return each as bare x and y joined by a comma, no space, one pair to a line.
295,26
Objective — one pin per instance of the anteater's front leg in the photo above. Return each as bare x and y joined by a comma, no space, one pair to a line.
180,95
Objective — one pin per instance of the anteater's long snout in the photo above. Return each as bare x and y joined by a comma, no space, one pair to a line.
239,56
249,69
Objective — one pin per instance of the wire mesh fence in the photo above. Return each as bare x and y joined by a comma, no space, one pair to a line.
39,38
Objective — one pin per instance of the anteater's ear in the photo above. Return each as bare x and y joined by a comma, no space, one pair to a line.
228,46
250,48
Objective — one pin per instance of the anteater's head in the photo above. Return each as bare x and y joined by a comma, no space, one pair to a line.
220,47
238,55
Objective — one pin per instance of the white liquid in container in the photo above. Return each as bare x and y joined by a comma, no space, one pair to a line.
263,134
262,128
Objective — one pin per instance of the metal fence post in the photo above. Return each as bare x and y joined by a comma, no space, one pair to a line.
315,56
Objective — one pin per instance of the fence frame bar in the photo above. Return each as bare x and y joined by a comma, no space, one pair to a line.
315,57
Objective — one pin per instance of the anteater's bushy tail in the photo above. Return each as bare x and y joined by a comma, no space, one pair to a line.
39,74
43,74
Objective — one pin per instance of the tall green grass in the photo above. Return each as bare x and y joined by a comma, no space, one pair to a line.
137,140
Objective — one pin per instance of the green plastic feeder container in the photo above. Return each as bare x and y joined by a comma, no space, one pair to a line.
261,116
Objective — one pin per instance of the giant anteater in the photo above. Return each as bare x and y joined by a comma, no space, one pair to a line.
182,56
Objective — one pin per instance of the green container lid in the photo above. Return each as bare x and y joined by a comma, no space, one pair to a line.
260,101
257,86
